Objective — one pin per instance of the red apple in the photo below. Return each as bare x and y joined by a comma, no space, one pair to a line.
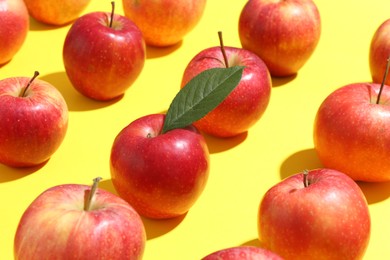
33,121
352,132
164,22
284,34
14,25
160,175
56,12
243,253
246,103
103,59
321,214
379,52
74,221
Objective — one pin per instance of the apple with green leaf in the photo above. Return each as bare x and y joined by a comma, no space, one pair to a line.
317,214
283,33
56,12
103,54
164,22
33,121
352,131
249,100
14,25
74,221
160,163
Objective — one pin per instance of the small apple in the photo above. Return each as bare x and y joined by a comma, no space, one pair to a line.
164,22
33,121
379,52
246,103
103,55
14,25
243,253
284,34
160,175
320,214
75,221
352,131
56,12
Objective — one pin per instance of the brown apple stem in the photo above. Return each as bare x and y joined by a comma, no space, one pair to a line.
223,49
88,202
24,90
112,12
383,81
305,178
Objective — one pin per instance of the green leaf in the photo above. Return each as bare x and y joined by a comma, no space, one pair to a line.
201,95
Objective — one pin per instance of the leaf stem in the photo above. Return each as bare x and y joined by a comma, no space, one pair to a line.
223,49
383,81
305,178
24,90
112,12
87,205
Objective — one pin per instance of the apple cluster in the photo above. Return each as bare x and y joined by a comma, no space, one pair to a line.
160,173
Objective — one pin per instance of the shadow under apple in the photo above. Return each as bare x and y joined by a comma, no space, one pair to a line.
8,174
74,100
302,160
157,52
217,145
36,25
375,192
280,81
153,227
254,242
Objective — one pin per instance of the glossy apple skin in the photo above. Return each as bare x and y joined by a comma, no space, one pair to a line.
164,22
56,226
56,12
246,104
14,25
284,34
329,219
352,132
380,52
160,175
103,62
31,127
243,253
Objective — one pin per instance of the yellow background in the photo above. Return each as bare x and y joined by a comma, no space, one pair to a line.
242,168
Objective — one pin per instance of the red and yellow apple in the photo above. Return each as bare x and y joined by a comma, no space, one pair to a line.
164,22
318,214
243,253
56,12
283,33
33,121
14,25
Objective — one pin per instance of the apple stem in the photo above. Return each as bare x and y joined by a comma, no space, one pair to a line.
23,92
305,178
383,81
223,49
88,203
112,12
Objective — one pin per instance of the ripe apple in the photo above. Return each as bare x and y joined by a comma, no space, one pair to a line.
103,55
352,132
379,52
33,121
284,34
320,214
243,253
75,221
246,103
14,25
160,175
164,22
56,12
